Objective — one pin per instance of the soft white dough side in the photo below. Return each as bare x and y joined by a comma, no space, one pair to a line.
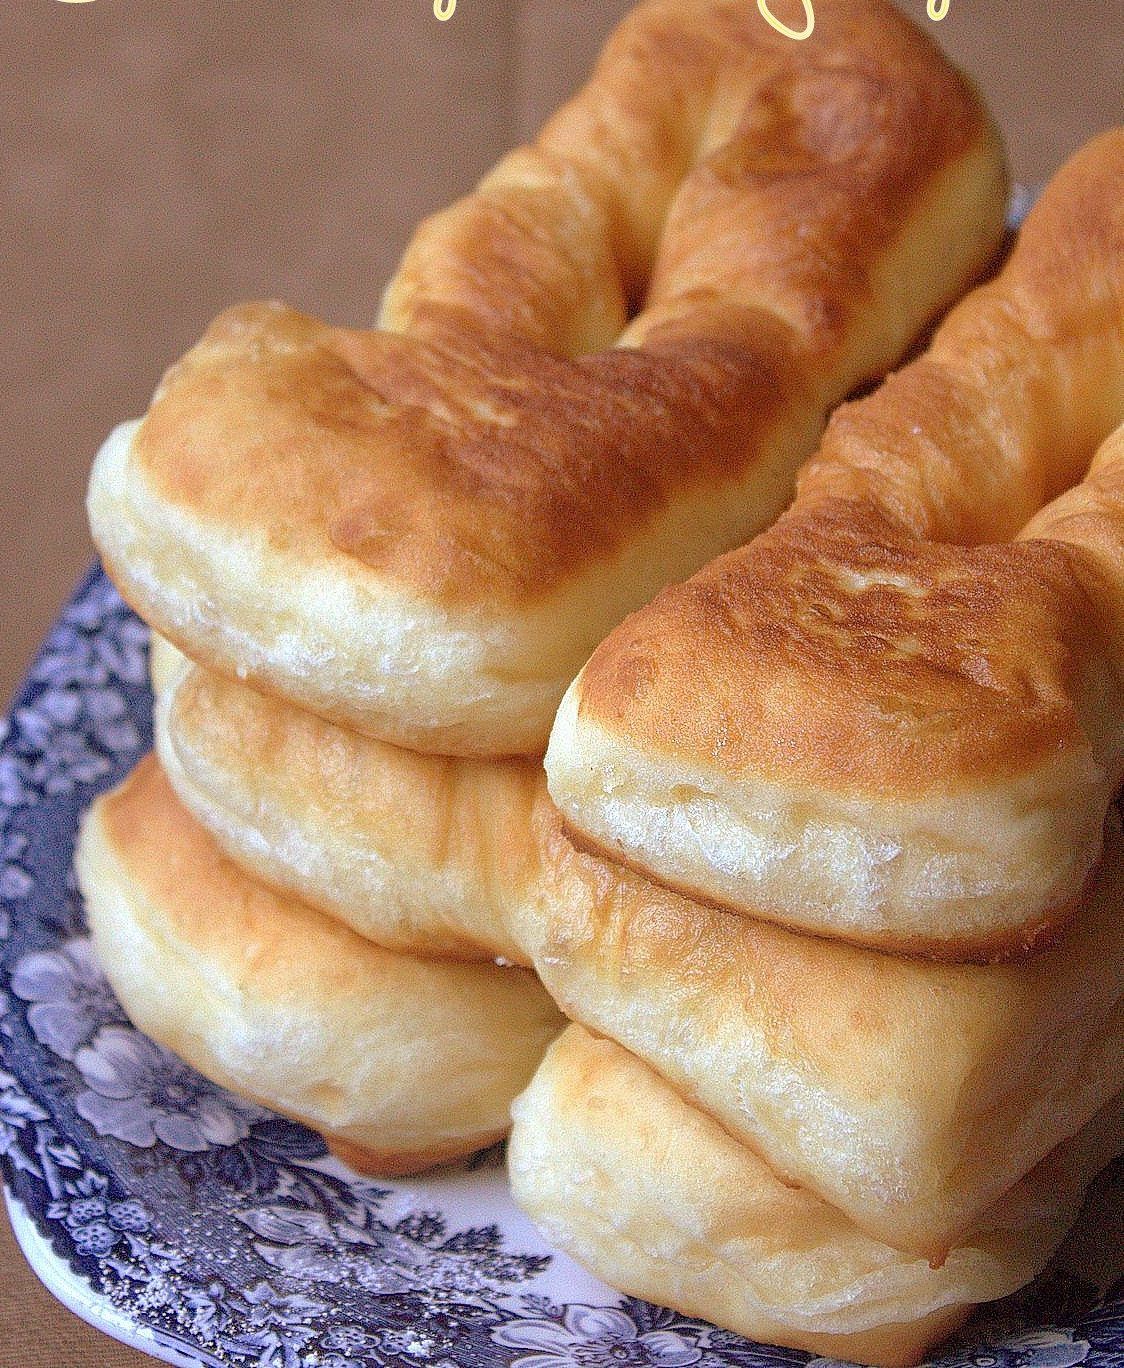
862,866
655,1197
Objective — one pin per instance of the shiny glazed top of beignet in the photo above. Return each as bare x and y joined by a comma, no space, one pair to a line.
896,716
594,372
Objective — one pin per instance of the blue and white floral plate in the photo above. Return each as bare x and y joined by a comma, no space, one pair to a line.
207,1231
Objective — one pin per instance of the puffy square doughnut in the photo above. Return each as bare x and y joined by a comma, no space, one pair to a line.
653,1196
896,715
400,1062
590,375
416,852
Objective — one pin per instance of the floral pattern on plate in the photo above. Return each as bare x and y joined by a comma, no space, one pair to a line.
218,1233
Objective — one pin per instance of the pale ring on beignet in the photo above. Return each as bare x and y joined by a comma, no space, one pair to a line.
590,375
654,1197
399,1062
897,716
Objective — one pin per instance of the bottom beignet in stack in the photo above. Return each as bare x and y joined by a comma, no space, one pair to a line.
653,1196
400,1062
908,1094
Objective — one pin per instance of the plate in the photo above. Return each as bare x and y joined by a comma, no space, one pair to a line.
207,1231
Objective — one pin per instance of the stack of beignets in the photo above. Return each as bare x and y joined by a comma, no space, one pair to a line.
381,556
591,374
655,1195
896,715
852,1131
893,719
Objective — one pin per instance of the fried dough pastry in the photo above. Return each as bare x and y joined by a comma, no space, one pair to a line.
656,1198
593,373
415,852
399,1062
906,1093
897,715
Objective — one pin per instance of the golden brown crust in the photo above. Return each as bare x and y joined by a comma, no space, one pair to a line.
786,217
831,649
903,635
443,451
403,1060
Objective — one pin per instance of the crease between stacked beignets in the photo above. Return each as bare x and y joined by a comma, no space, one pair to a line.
657,1199
407,849
422,531
910,1094
400,1062
895,716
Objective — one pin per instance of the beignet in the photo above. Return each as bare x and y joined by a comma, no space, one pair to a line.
399,1062
590,375
897,716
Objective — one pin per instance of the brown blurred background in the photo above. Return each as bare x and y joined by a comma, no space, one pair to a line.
164,158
